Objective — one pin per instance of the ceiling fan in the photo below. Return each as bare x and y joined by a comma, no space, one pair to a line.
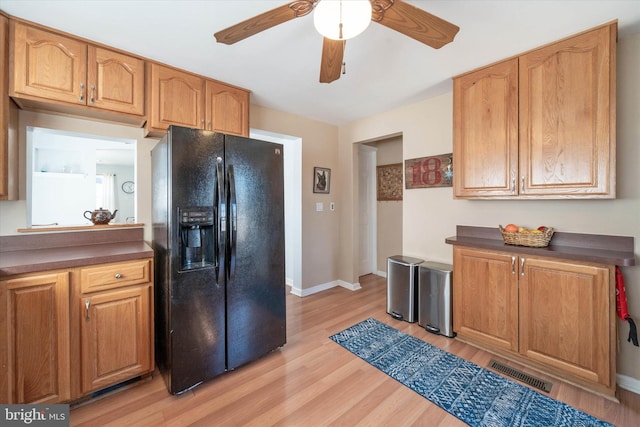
395,14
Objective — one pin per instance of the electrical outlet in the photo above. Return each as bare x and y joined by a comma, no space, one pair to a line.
332,206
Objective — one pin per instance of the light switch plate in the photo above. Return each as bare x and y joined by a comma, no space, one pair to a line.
319,207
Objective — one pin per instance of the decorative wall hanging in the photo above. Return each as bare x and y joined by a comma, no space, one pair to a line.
426,172
390,182
321,180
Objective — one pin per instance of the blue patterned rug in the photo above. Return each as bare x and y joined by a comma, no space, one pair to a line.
473,394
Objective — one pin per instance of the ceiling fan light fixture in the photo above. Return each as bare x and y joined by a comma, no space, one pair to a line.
342,20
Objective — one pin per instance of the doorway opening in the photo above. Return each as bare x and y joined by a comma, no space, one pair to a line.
380,221
292,202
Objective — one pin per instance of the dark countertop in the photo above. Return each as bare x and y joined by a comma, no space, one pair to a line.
33,253
601,249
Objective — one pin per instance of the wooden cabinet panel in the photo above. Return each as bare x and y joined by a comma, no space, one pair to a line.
8,123
114,275
34,313
115,81
485,298
565,128
486,136
227,109
541,125
48,65
565,317
557,316
52,71
116,336
176,98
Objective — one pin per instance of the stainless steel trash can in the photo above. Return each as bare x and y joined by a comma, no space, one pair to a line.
435,305
402,287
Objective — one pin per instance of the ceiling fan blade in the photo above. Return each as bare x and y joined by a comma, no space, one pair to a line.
418,24
331,63
264,21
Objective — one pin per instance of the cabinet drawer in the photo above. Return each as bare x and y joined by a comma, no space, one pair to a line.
108,276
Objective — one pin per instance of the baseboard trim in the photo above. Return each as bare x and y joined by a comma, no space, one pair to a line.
628,383
381,274
323,287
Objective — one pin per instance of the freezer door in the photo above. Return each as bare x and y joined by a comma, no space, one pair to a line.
196,326
256,318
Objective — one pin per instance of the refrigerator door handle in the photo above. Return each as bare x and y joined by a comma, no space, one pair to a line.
233,227
221,222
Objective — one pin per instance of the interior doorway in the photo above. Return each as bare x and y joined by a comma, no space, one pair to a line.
368,209
292,201
379,221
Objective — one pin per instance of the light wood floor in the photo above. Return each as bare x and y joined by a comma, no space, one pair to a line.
312,381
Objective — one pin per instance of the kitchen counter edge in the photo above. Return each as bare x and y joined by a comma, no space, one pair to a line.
601,249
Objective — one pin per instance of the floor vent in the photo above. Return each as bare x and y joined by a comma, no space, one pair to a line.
521,376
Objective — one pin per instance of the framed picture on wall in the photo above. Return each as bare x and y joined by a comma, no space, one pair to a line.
321,180
389,182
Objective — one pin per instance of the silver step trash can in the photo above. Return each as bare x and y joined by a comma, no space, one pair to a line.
402,287
435,305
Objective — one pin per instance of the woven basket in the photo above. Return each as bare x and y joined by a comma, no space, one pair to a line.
534,240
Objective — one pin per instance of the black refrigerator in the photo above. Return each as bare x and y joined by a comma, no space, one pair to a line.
218,238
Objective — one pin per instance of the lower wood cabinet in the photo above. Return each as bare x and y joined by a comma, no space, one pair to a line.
554,315
65,334
116,323
34,338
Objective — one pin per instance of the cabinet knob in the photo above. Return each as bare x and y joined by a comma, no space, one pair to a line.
81,92
86,309
522,185
522,266
118,276
93,94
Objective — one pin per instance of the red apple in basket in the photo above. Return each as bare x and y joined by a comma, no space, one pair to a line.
511,228
542,228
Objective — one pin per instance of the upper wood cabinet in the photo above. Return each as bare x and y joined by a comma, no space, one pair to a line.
8,123
541,125
485,123
34,338
227,109
180,98
175,98
50,66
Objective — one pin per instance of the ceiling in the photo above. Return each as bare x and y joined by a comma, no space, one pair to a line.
281,65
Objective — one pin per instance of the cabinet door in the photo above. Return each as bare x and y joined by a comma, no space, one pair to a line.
116,335
8,123
34,339
227,109
485,131
48,65
177,98
115,81
567,116
485,297
566,312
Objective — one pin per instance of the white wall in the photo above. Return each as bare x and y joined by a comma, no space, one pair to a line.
426,128
320,230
